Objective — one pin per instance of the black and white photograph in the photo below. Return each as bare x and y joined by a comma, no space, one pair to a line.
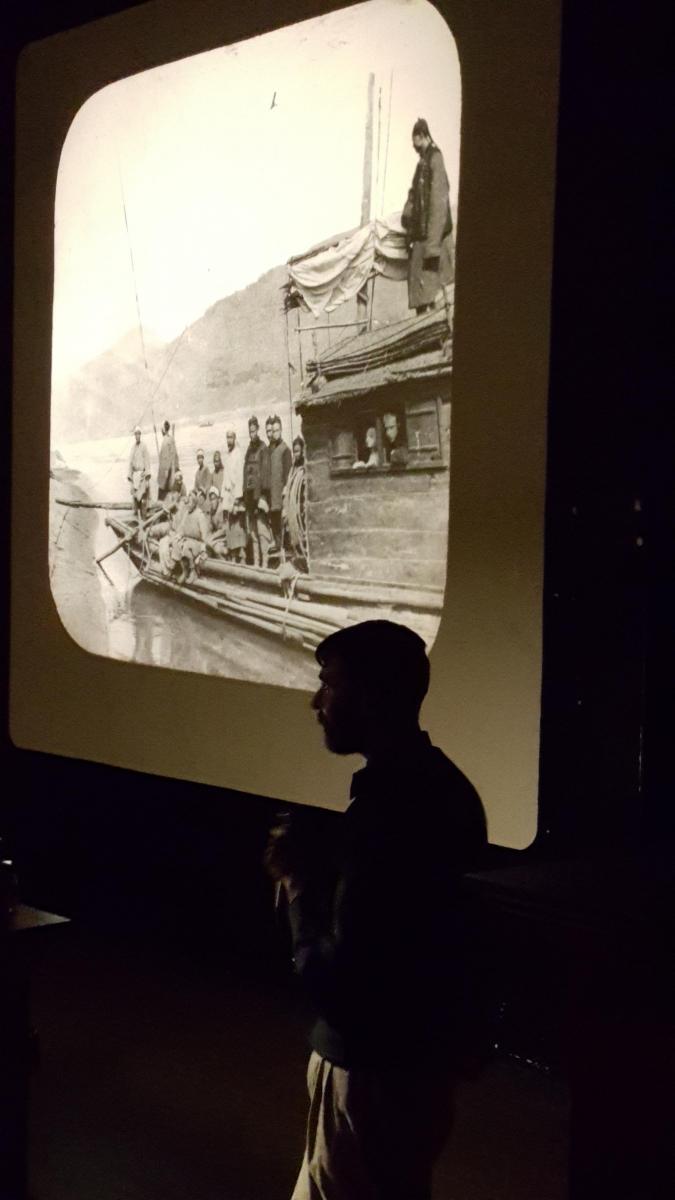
252,347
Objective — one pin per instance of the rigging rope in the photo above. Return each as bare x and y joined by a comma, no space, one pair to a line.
131,256
386,152
296,513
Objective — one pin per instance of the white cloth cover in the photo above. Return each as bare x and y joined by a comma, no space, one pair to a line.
326,278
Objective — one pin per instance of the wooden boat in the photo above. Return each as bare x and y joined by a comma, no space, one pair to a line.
374,536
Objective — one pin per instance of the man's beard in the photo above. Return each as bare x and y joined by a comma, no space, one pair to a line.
339,741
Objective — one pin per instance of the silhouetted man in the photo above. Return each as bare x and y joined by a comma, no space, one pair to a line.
384,960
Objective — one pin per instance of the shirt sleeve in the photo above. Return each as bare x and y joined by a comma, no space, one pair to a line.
353,947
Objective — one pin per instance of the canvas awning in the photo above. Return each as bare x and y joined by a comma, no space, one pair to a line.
336,270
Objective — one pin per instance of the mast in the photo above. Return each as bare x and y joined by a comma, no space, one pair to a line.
362,300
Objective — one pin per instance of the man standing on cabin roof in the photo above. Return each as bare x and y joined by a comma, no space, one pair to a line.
280,465
202,474
386,960
427,220
168,462
256,492
138,474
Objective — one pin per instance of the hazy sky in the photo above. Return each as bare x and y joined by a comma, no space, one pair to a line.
219,185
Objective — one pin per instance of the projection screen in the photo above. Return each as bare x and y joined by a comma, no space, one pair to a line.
212,231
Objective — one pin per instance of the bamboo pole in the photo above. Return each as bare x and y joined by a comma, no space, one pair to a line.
129,537
362,305
113,504
317,620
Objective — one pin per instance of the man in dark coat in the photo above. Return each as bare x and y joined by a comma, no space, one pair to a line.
280,465
386,960
168,462
256,490
427,220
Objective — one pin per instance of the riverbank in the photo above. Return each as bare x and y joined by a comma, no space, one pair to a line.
73,575
122,617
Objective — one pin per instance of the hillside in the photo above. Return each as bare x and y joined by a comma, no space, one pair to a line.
234,356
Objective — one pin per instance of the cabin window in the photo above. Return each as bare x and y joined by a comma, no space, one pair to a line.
423,430
402,436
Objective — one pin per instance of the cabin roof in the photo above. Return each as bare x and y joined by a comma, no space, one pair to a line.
434,364
388,344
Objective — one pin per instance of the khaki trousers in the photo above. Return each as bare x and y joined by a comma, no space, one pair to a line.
372,1134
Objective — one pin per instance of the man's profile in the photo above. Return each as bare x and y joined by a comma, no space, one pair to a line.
382,956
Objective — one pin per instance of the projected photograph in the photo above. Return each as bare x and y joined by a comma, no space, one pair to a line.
252,347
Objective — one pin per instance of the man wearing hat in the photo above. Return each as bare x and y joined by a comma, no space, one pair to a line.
168,462
202,475
427,220
280,465
256,491
138,475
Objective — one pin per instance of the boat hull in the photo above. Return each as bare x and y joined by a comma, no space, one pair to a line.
302,610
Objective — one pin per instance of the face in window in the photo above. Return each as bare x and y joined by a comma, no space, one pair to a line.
390,422
371,438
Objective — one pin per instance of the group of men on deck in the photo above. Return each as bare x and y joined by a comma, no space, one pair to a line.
234,511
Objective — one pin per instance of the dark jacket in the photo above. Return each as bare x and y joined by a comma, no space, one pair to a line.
168,462
256,471
386,966
280,465
426,216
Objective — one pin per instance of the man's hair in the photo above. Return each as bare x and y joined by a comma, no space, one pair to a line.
253,421
166,427
298,441
388,660
420,128
270,421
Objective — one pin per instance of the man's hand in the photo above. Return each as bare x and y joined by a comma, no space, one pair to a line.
283,859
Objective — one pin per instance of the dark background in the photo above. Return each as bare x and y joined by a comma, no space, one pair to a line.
608,579
143,854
